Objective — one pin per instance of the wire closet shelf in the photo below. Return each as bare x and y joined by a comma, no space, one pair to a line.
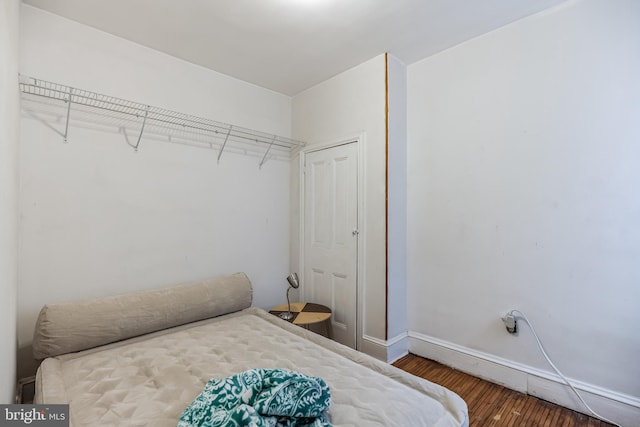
60,107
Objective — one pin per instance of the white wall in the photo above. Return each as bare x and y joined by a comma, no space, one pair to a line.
9,135
98,219
345,106
397,203
523,192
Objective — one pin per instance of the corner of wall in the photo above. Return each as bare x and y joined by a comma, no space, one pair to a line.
388,351
9,134
396,86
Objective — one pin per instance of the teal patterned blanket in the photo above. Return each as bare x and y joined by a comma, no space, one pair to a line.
260,397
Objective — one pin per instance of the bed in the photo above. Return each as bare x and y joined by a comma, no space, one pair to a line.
140,359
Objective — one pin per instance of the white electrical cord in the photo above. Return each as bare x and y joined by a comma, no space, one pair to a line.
518,313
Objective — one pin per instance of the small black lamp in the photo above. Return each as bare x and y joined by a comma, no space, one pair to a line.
293,283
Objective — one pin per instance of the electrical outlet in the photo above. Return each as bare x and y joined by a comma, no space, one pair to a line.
511,323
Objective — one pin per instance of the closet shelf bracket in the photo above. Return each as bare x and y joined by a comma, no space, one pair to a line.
144,121
226,138
66,126
265,154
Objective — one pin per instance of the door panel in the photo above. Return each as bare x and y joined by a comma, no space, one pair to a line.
330,235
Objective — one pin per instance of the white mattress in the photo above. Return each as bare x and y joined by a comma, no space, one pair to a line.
148,381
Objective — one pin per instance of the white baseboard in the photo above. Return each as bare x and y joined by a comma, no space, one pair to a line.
620,408
388,351
374,347
397,347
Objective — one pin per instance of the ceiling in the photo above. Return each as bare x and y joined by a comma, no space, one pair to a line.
291,45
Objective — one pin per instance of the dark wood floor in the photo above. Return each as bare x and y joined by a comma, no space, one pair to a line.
493,405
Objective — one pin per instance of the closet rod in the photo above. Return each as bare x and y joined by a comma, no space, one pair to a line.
158,118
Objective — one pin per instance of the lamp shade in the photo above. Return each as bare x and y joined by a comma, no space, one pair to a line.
293,280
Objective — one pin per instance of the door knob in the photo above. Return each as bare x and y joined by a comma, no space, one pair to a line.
355,232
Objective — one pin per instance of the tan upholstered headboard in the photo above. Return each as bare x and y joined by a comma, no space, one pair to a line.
70,327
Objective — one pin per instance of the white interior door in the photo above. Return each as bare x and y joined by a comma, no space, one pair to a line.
331,235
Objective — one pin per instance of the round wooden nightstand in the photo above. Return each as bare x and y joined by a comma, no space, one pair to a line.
306,313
